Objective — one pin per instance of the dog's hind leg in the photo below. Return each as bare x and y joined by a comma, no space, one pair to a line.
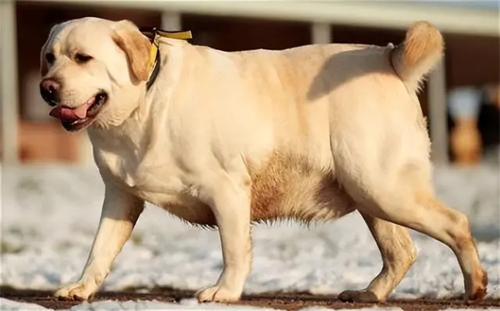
387,171
414,206
398,254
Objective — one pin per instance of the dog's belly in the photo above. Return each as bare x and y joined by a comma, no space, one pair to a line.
185,207
290,187
285,188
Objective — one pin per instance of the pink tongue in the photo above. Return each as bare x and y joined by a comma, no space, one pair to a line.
71,114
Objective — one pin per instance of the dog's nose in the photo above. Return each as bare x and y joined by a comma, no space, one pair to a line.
49,90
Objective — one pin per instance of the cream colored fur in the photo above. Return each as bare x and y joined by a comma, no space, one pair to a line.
226,139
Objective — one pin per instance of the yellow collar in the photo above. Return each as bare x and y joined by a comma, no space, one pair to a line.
154,36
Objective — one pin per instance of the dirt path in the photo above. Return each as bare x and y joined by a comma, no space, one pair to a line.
284,301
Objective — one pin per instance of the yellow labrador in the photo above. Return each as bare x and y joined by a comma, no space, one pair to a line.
227,139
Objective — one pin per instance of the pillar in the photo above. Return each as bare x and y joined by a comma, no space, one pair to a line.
321,33
171,21
437,114
9,83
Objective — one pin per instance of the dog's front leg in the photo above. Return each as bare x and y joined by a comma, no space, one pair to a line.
120,212
231,207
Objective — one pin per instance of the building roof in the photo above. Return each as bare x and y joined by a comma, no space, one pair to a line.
466,17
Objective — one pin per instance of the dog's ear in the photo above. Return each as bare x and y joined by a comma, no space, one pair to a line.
44,68
43,62
135,45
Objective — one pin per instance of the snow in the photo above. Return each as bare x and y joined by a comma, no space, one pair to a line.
10,305
50,213
374,308
155,305
188,304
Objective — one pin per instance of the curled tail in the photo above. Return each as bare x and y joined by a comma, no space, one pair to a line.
421,50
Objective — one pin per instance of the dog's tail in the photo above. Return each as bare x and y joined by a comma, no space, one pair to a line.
421,50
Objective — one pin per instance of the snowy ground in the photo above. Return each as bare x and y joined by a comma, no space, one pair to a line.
190,304
50,213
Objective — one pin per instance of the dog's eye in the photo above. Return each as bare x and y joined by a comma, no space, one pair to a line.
50,58
82,58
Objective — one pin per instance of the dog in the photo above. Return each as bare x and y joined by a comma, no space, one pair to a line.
228,139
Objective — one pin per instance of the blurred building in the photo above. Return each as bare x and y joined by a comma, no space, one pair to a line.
30,135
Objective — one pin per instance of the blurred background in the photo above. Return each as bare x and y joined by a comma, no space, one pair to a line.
461,98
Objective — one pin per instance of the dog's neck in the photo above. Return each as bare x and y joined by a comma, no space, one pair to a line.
142,102
155,35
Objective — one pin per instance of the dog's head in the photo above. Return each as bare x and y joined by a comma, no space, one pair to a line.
94,71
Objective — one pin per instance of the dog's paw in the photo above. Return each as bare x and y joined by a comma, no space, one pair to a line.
358,296
217,294
480,290
76,291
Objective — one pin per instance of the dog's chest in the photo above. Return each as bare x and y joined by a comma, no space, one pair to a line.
133,170
157,182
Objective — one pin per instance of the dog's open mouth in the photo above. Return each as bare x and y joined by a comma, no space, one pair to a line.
74,119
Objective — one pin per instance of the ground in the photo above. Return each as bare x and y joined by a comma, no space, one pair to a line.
281,301
49,215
